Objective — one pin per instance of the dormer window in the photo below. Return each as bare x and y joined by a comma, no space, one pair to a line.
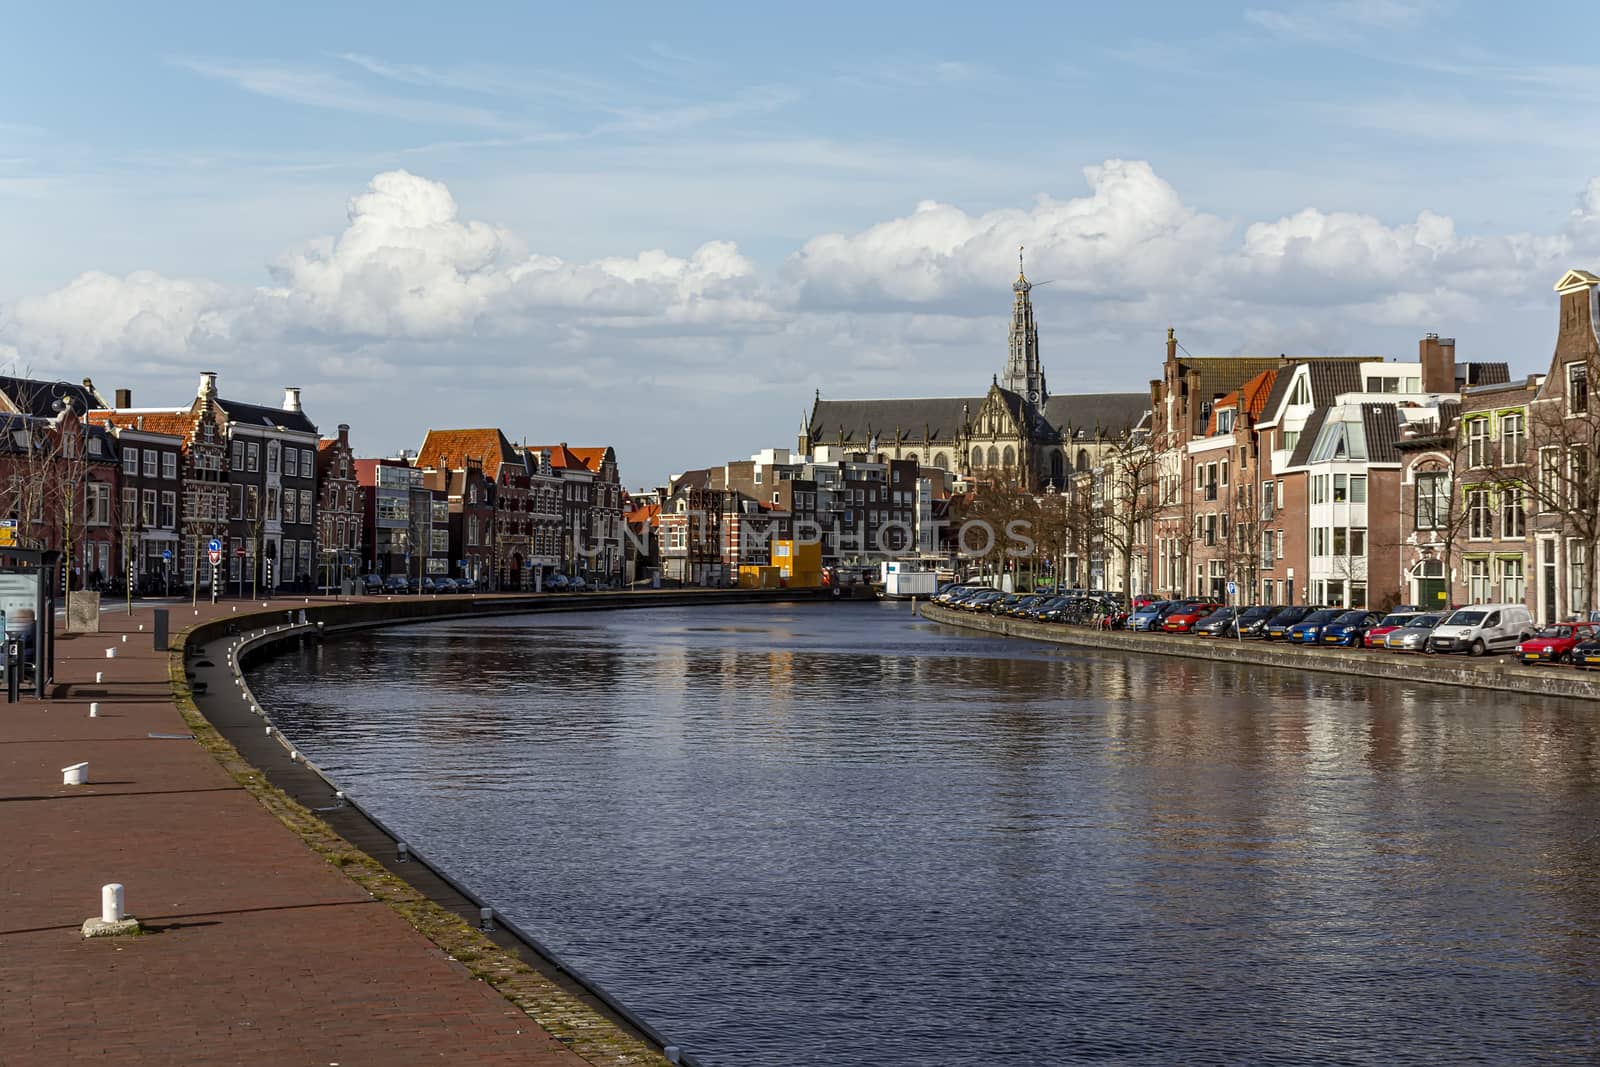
1301,393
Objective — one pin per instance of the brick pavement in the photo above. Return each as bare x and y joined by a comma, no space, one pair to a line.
262,953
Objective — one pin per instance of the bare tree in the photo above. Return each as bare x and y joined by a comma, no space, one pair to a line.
1564,485
1130,500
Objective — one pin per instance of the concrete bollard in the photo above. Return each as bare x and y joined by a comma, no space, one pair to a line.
672,1054
111,653
94,710
294,755
99,676
125,636
486,919
402,854
77,774
111,903
269,731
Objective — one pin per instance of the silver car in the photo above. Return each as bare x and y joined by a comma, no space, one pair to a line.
1413,636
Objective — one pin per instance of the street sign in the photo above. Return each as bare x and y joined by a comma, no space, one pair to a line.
216,557
8,533
215,544
166,554
238,552
1233,588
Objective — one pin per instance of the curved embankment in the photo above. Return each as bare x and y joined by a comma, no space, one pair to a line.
1488,673
207,676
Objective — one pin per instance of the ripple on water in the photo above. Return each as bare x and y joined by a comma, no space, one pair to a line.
839,835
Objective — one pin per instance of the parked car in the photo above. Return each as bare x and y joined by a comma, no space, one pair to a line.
1146,616
1555,643
576,584
1308,631
1350,628
1252,622
445,585
555,583
395,585
1413,636
1386,626
1480,628
1586,654
1277,629
1218,624
1183,620
370,584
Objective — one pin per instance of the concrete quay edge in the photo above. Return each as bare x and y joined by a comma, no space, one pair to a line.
1462,671
576,1010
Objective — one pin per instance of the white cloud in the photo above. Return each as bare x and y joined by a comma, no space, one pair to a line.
409,291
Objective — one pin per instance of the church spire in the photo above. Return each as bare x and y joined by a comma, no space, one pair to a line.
1024,375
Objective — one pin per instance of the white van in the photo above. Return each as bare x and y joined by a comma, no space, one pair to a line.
1479,628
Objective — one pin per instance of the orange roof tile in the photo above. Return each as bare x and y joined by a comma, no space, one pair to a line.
447,448
561,456
649,514
173,423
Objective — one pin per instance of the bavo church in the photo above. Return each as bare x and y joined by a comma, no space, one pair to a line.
1016,434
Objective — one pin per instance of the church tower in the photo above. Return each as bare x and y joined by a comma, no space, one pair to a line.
1023,374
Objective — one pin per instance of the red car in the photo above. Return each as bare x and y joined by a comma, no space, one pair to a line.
1182,621
1554,643
1392,621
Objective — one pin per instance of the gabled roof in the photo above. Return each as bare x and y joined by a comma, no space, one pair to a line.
1381,423
1308,437
487,445
1256,391
257,415
1112,413
1482,374
1328,376
859,421
574,459
1576,279
32,396
173,423
646,515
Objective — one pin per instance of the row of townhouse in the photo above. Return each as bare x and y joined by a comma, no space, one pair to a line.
141,493
1356,481
861,507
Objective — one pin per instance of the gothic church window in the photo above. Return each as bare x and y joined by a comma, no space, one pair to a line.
1083,460
1011,456
941,461
994,456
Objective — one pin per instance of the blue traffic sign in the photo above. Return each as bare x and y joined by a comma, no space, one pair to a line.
166,554
214,545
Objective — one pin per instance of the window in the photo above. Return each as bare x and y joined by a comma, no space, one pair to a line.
169,465
130,508
1267,498
1577,578
1224,472
1290,439
169,510
291,463
1513,516
1211,481
1301,393
272,457
1341,488
1266,549
152,459
236,501
1478,442
1513,582
306,505
1478,519
1578,489
130,460
252,453
237,456
1341,542
1577,388
1319,489
1358,489
147,510
96,504
1358,540
1513,438
1478,580
1319,541
1549,479
272,514
994,456
977,457
1010,459
1358,595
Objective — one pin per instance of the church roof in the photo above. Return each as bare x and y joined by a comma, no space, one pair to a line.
940,418
1114,413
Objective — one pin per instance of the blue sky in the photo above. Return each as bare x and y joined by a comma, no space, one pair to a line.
664,226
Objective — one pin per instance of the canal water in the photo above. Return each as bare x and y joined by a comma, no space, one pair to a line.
835,834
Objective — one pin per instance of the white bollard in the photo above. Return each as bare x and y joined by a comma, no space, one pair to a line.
269,731
77,774
141,627
111,902
294,755
111,653
94,710
486,919
99,676
124,638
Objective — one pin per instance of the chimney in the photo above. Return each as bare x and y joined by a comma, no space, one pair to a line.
1172,345
1438,358
344,434
291,398
208,384
124,398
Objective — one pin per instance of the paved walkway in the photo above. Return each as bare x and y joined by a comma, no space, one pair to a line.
263,952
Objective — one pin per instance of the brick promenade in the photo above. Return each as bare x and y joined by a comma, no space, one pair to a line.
263,953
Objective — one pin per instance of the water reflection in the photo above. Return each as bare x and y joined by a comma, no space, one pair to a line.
838,835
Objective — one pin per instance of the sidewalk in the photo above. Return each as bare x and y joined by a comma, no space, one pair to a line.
262,952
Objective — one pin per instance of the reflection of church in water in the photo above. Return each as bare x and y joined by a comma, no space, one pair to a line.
1016,431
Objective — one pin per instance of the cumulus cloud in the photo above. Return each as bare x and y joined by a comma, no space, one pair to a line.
412,290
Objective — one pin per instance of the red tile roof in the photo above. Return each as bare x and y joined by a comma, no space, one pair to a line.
648,515
175,423
561,456
447,448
